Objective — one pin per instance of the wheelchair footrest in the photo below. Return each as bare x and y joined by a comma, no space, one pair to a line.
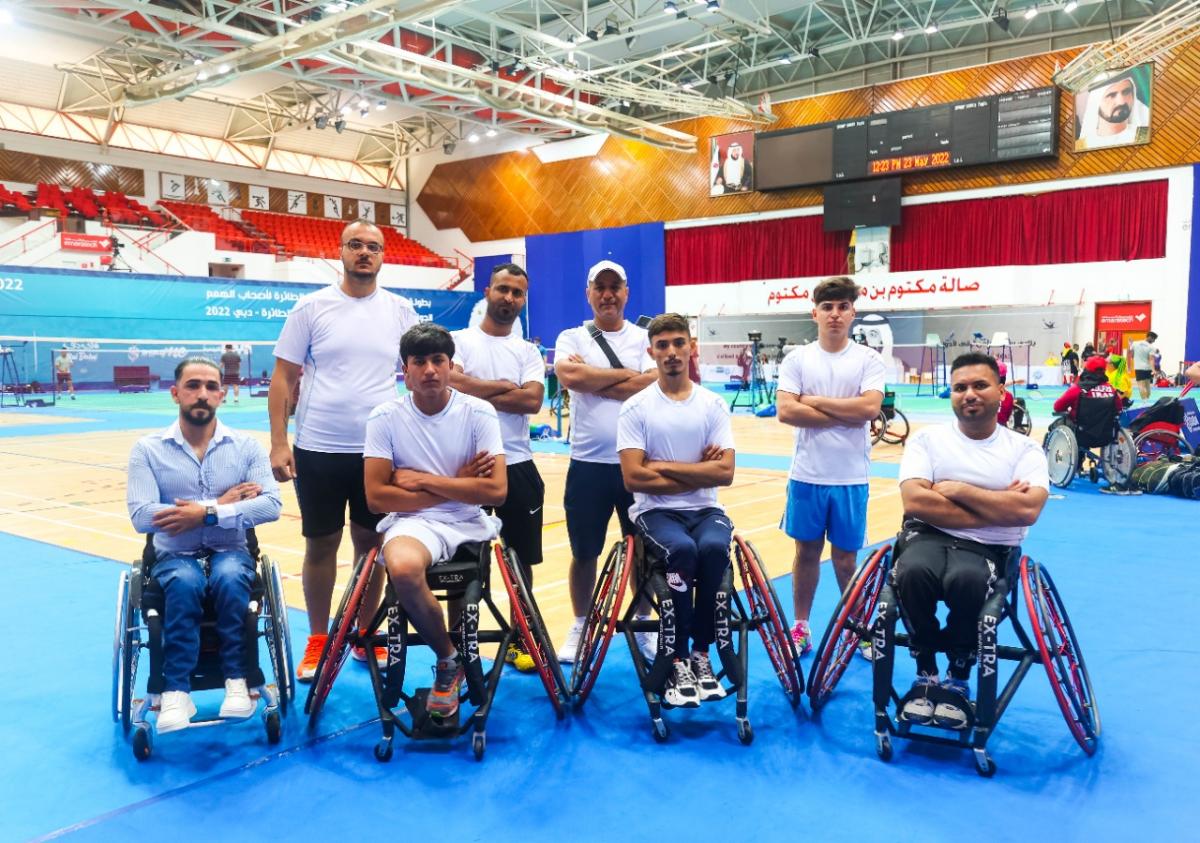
937,695
424,726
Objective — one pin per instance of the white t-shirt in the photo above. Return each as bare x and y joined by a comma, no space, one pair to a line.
502,359
594,419
943,452
674,431
1143,355
439,444
841,455
350,350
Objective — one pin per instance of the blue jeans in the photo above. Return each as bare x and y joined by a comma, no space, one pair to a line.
231,574
694,545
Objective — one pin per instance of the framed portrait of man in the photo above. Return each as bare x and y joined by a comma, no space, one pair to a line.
1114,108
731,164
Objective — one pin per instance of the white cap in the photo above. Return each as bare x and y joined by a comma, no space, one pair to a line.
610,266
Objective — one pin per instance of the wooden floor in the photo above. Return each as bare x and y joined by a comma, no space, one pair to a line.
69,490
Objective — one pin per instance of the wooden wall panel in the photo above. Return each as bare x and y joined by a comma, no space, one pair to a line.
514,194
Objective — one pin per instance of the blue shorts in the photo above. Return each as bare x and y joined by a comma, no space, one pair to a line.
813,511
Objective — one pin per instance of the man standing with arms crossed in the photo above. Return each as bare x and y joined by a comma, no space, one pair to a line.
829,391
1141,360
492,362
598,385
346,340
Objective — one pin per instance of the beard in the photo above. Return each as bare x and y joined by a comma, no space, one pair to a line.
198,414
1119,114
502,315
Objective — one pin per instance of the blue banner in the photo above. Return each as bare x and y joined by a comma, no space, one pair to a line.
110,305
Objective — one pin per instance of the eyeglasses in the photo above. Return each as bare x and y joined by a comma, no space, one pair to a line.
358,246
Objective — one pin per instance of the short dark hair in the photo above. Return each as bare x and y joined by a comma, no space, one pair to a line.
195,360
838,288
976,358
665,322
425,339
1151,336
229,345
353,223
511,269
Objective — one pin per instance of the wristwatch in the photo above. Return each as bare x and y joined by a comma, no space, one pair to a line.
210,516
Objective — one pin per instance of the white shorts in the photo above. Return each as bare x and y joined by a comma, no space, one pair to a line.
441,539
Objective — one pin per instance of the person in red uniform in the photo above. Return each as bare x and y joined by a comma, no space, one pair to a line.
1006,403
1092,383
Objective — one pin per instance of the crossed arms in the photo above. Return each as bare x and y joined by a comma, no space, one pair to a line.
618,384
505,396
955,505
818,411
659,477
481,481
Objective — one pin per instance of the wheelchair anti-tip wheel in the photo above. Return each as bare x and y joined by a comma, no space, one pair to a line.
849,626
337,644
528,622
764,607
278,634
601,618
1062,455
1061,655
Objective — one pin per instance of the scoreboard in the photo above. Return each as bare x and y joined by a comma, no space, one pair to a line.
986,130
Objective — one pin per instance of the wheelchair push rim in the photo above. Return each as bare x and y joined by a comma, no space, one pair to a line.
765,607
602,616
121,698
1061,655
531,628
1118,460
1062,456
276,632
337,644
855,606
895,429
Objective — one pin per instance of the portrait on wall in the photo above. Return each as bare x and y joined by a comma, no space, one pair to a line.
1114,108
731,168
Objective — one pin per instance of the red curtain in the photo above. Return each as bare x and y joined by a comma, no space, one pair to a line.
795,247
1118,222
1113,223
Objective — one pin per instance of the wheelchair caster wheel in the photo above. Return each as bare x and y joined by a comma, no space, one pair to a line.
883,747
660,730
984,765
1094,474
745,732
274,727
143,743
478,745
383,750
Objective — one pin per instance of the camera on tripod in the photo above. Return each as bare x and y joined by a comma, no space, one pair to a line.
754,336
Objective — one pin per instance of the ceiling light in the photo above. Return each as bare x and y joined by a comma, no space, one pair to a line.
1001,19
197,61
345,109
898,35
610,28
931,29
1031,13
381,105
713,5
473,137
339,125
491,133
630,41
202,75
687,85
594,34
814,53
669,7
1070,7
495,65
448,147
224,68
784,59
5,17
321,121
364,111
625,103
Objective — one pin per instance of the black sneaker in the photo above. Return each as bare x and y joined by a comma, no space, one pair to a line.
706,683
681,691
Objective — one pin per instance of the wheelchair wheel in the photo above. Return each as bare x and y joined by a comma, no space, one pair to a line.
337,645
851,621
1118,460
601,618
765,608
878,428
1062,456
126,648
528,621
1152,444
277,633
895,432
1061,655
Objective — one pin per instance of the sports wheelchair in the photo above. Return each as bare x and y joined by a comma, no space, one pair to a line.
868,611
1020,420
628,559
891,425
465,578
139,626
1097,444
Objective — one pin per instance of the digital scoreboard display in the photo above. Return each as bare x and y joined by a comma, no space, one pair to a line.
986,130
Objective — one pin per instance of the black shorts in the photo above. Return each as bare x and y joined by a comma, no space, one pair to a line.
1143,375
325,483
230,380
594,490
521,513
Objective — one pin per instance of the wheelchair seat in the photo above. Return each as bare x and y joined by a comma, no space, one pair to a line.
469,563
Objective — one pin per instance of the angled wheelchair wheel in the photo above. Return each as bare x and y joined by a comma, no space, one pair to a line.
1149,445
849,626
601,618
764,607
279,638
1061,655
1062,456
337,645
895,432
125,651
528,622
1118,460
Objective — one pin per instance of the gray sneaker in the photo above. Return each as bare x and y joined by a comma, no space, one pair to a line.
919,710
949,715
706,682
681,691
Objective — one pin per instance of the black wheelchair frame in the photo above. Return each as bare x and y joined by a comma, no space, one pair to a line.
868,611
139,626
466,577
627,559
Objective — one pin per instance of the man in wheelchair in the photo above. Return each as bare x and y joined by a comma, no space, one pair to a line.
197,486
1092,404
433,458
676,447
970,490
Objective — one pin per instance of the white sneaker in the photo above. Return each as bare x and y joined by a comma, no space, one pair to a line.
175,712
237,704
680,690
706,682
647,641
566,653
